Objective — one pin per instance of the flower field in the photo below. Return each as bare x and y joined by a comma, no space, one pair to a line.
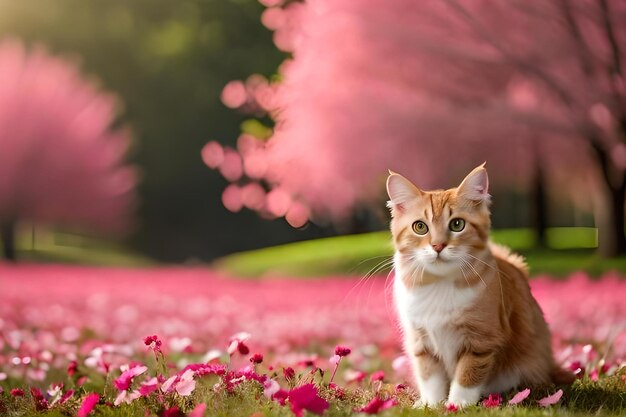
187,341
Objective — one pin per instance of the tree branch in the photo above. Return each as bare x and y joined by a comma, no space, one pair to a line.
523,65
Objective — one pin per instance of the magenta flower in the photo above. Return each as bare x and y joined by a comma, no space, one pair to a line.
88,404
377,405
149,386
342,351
66,396
377,376
451,408
153,342
40,402
237,344
307,398
126,378
256,358
492,401
17,392
289,373
72,368
172,412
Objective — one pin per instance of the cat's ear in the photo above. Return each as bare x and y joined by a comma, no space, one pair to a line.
475,186
400,191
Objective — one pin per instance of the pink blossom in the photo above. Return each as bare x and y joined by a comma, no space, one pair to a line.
232,198
149,386
451,408
186,383
335,359
126,378
213,154
17,392
172,412
306,397
342,350
126,397
67,395
519,397
198,411
88,404
289,373
377,376
551,399
270,387
58,128
153,342
354,376
256,358
234,94
492,401
377,405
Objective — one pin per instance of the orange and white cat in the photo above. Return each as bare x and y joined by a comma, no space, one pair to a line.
470,323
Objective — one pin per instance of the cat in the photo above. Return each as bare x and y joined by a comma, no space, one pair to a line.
470,323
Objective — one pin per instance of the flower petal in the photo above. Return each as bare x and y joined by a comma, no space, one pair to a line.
551,399
519,397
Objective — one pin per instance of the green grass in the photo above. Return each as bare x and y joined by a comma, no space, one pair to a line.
570,249
57,247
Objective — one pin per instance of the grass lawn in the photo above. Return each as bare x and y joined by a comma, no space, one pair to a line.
570,249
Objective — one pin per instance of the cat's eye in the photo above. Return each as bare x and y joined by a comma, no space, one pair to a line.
456,225
420,227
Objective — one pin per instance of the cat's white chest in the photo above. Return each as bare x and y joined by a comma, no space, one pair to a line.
436,309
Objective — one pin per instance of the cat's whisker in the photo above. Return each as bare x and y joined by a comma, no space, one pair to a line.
469,264
464,276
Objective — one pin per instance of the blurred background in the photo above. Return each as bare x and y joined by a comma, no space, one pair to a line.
299,113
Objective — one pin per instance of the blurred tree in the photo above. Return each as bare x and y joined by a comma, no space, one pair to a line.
59,161
431,88
168,61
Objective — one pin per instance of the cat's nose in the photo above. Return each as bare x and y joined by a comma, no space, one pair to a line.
439,247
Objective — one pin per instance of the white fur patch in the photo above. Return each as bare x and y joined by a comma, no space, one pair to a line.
462,396
433,390
434,307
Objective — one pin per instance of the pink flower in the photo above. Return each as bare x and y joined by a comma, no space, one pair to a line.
66,396
72,368
377,376
354,376
126,397
172,412
342,350
492,401
519,397
153,342
270,387
256,358
149,386
17,392
551,399
377,405
237,344
335,359
198,411
306,397
88,404
40,402
289,373
126,378
451,408
186,383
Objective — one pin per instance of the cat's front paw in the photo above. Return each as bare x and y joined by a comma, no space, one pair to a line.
427,403
461,396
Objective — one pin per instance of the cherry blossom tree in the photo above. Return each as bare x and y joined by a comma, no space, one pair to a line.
432,88
61,163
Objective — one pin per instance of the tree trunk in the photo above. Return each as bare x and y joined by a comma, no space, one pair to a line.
539,207
7,235
613,240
